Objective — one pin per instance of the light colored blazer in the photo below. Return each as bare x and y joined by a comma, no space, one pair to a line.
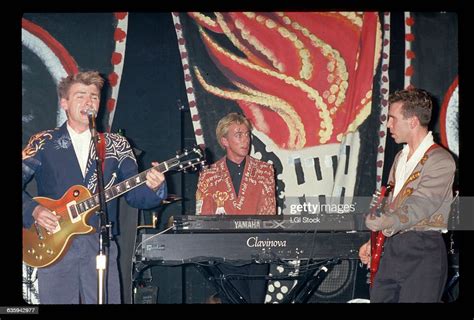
424,202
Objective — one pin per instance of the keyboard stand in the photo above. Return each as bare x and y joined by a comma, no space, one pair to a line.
308,281
222,282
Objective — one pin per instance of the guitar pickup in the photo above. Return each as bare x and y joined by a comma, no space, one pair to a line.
74,214
39,232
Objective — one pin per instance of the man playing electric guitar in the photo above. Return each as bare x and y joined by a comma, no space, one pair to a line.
64,157
413,267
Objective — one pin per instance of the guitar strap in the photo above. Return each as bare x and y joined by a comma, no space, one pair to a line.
433,146
101,151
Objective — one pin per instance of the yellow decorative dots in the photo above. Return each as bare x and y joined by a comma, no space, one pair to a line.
270,24
297,135
205,19
331,66
312,94
250,15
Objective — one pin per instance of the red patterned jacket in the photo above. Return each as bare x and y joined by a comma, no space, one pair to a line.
215,192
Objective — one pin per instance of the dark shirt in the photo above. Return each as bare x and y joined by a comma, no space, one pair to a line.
236,171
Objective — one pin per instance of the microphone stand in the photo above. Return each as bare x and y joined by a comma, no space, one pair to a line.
104,225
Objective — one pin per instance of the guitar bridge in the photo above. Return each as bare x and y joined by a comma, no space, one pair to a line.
38,231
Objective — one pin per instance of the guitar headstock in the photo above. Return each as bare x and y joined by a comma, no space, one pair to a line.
187,160
377,201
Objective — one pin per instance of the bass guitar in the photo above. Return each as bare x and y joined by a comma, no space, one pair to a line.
42,248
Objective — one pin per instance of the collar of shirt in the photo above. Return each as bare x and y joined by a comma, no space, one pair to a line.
81,143
235,166
236,173
405,167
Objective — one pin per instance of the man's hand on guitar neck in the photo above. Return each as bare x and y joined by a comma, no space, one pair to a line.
45,218
364,253
154,178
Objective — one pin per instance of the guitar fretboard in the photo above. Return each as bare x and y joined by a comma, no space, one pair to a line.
122,187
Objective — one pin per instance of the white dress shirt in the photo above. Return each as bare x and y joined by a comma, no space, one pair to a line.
81,143
404,168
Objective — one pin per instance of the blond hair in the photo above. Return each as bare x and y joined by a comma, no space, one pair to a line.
227,121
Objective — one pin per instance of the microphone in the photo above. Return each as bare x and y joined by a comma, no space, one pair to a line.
91,114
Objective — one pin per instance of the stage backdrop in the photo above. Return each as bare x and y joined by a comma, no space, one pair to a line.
314,85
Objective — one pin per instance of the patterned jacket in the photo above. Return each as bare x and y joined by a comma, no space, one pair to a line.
50,158
424,202
215,192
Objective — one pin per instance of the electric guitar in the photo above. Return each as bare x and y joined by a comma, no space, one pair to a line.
42,248
377,238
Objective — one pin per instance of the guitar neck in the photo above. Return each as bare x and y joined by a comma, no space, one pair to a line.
41,248
122,187
378,202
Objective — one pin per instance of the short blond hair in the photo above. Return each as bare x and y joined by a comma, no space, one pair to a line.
227,121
